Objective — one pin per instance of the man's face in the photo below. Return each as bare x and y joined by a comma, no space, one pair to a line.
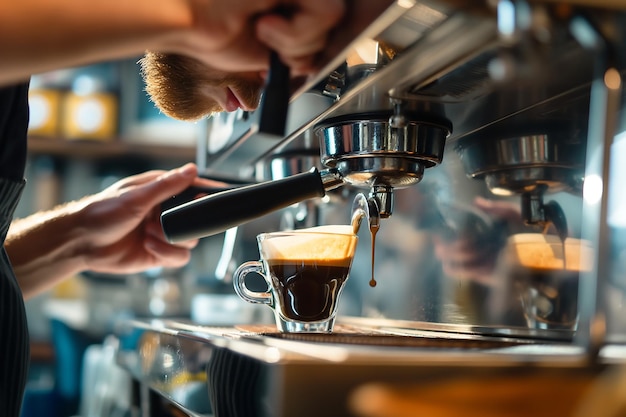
185,89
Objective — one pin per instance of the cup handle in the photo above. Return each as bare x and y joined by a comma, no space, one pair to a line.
239,282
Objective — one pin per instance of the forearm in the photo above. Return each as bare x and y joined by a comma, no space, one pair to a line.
46,248
40,35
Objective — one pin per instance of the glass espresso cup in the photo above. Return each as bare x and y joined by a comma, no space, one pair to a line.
305,271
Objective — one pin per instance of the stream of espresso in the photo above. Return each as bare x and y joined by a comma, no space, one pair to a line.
373,231
357,217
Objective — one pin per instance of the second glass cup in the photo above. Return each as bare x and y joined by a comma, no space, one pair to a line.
305,271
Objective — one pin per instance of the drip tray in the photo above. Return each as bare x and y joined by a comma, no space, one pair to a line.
349,335
392,340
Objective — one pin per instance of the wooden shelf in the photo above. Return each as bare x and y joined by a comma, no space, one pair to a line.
91,149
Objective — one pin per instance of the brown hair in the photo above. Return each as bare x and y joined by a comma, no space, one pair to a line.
176,84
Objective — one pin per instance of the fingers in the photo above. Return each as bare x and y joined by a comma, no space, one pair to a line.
137,179
158,188
304,33
283,35
237,35
167,254
154,231
208,183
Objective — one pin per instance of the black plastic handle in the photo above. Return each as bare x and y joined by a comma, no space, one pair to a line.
189,194
219,212
196,191
275,100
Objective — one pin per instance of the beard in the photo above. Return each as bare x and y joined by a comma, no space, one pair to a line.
178,85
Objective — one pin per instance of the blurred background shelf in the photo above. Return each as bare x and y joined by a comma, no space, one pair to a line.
90,149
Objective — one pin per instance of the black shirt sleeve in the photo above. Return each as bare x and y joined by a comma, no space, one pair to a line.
13,130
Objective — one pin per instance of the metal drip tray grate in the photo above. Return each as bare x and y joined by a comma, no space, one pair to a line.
391,340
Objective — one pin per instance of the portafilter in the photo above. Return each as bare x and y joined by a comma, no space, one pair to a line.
378,151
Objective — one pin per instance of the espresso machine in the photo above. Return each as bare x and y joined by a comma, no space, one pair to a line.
426,119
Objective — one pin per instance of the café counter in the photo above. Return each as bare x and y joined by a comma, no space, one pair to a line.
366,368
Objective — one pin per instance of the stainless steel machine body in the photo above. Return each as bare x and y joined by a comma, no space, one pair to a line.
459,119
509,90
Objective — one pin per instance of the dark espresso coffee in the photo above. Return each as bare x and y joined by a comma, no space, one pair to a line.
308,291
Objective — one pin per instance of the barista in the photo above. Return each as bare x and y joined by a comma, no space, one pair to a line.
116,231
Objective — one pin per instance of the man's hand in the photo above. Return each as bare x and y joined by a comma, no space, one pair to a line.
237,35
122,223
116,231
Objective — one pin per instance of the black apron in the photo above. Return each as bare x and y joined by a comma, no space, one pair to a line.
14,343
